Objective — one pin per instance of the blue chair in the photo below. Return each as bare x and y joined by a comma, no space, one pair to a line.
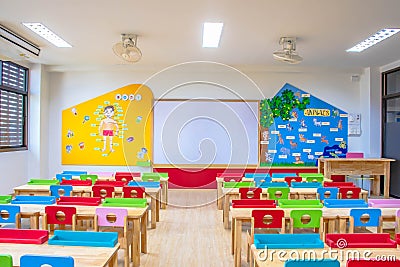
252,175
283,175
261,179
305,185
39,260
273,184
144,184
61,190
10,214
62,176
74,173
356,219
312,263
323,193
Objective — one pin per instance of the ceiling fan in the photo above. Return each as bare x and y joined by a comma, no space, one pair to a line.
127,49
288,53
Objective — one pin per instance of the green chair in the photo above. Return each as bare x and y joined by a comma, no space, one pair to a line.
238,184
92,177
313,179
6,260
151,177
5,199
43,182
307,219
277,193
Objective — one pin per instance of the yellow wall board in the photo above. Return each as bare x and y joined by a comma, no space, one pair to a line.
112,129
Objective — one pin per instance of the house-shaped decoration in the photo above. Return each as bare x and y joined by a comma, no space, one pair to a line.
296,128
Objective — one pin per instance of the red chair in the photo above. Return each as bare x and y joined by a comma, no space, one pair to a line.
265,219
290,179
133,192
349,192
103,191
372,263
126,176
59,215
77,182
250,193
339,184
112,183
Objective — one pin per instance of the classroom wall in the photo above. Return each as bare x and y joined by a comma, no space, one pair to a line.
71,87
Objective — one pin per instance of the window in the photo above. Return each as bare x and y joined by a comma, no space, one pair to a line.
13,106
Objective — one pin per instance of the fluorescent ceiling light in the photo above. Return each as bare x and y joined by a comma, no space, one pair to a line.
212,34
373,40
47,34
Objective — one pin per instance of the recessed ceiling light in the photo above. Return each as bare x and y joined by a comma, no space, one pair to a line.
212,34
47,34
373,40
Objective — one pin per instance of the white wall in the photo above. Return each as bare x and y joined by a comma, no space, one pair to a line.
69,88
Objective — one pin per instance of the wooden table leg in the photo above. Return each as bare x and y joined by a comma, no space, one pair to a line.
342,225
113,260
238,243
153,204
164,194
233,228
136,242
143,233
219,195
158,207
225,211
386,180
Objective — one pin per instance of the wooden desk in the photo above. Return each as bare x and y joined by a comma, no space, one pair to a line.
359,166
335,253
240,215
138,217
295,193
41,190
83,256
220,182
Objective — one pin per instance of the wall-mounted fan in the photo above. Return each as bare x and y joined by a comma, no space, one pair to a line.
288,53
127,49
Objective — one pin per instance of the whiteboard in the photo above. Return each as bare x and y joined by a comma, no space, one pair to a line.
205,132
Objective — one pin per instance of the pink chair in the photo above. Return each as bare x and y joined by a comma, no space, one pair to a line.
355,155
116,220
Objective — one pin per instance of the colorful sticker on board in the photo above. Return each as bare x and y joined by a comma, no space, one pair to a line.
301,129
107,129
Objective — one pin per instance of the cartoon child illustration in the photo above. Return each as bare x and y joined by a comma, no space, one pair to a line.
108,127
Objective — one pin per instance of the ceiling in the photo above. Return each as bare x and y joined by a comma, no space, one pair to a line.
170,31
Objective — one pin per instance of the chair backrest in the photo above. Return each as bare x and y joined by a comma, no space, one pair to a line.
9,213
76,182
250,193
40,260
319,179
338,184
354,155
374,217
297,218
328,193
261,179
312,263
6,260
256,174
232,178
60,214
133,192
290,179
103,191
283,175
372,263
276,216
151,177
276,193
349,192
112,183
92,177
60,190
103,213
125,177
63,176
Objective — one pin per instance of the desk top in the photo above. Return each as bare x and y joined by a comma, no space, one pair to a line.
281,255
292,190
83,256
356,159
27,187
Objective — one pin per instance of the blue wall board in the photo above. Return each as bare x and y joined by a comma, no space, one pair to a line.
298,128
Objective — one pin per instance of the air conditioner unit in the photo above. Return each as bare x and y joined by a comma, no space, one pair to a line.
17,45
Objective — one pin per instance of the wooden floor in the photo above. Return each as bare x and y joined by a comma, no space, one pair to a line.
190,233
